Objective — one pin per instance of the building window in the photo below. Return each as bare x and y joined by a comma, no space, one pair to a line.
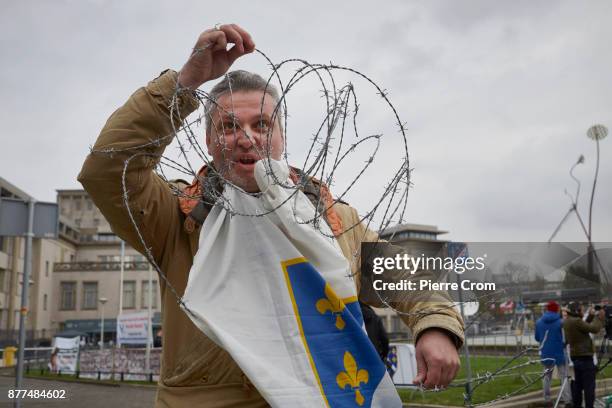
90,295
396,324
68,295
110,258
45,301
107,237
47,269
89,205
77,203
129,294
144,294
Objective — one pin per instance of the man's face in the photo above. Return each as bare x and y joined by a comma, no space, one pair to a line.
242,133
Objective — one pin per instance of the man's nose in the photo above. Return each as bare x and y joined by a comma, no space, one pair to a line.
247,138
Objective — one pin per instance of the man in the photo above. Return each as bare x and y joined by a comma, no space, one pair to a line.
577,335
550,336
240,130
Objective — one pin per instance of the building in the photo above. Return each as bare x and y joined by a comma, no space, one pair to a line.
417,240
45,252
93,273
71,274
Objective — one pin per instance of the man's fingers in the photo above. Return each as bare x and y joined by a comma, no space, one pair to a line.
436,371
433,377
220,41
234,54
448,370
249,44
454,372
447,375
211,58
211,39
421,369
233,37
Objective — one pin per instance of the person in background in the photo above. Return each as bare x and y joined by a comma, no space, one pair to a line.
53,360
549,333
577,335
376,330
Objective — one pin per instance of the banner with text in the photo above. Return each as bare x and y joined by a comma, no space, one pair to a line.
133,328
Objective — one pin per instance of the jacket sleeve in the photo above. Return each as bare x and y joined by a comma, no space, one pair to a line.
538,332
420,311
593,327
127,150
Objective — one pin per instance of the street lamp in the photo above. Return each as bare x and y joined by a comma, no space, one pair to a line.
596,133
102,300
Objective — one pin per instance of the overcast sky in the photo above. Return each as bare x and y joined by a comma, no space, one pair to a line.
497,96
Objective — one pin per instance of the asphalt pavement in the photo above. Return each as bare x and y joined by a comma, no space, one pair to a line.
78,395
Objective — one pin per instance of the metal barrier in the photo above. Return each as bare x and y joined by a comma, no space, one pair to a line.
99,375
32,356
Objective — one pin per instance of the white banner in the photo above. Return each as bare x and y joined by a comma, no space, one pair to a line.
67,354
133,328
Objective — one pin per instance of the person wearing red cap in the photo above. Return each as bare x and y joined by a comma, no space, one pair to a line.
549,333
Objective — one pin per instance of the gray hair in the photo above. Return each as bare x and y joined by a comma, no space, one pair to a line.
237,81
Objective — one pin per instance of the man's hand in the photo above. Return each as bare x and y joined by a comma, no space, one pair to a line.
602,314
437,359
210,57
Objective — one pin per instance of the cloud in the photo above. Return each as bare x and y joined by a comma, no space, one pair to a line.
497,97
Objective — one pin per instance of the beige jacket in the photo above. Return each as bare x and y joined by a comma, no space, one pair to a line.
194,372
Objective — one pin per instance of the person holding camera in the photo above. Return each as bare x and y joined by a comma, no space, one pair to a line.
577,335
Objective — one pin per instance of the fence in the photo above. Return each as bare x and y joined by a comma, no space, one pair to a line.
33,338
110,363
33,356
97,375
122,364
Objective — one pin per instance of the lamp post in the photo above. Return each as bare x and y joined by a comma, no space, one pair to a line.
27,270
596,133
102,300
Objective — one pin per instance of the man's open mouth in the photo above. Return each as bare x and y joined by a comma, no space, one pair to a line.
247,159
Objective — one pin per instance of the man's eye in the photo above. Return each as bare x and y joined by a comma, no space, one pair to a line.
263,125
229,126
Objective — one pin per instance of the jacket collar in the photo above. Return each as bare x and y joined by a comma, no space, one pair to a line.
198,199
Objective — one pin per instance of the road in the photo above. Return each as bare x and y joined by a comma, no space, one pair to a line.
80,395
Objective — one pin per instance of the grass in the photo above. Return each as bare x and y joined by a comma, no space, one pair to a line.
502,385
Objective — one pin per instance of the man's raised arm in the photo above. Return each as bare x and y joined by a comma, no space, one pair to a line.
135,136
133,139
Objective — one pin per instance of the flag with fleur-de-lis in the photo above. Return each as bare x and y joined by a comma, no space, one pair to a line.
277,294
